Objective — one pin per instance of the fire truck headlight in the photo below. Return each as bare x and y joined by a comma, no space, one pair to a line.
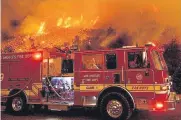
94,98
169,78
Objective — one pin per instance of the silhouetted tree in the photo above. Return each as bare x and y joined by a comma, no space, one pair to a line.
172,56
177,80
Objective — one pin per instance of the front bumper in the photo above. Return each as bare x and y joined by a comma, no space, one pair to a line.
169,104
151,105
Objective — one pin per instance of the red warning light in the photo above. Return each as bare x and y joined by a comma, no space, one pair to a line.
159,105
37,56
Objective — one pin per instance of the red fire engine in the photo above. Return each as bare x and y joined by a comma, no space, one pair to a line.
115,81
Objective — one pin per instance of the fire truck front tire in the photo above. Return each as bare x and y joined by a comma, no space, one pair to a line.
115,106
17,104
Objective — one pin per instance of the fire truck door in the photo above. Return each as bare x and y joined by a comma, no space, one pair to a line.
112,75
91,75
139,78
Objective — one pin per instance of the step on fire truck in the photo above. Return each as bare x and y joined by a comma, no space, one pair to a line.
115,81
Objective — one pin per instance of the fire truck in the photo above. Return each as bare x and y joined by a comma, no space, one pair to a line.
116,81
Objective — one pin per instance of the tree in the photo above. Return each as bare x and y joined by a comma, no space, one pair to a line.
172,56
177,80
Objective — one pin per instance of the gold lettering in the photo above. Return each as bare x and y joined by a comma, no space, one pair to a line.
90,87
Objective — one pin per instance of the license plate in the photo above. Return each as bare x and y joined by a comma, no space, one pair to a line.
142,101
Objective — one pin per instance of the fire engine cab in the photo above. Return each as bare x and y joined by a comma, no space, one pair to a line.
116,81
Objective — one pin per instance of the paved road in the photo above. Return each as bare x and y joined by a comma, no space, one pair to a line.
79,114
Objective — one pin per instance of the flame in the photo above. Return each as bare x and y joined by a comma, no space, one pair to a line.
95,21
81,18
41,29
72,22
67,22
60,22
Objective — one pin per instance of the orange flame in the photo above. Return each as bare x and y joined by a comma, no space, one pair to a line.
71,22
67,22
60,22
41,29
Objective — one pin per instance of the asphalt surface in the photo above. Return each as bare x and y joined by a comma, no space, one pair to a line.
80,114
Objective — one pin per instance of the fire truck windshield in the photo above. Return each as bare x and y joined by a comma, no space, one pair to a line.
163,62
157,60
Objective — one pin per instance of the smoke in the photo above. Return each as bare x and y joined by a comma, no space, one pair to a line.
142,21
97,38
13,12
122,40
14,23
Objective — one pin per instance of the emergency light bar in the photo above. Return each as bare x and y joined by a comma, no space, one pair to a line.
150,44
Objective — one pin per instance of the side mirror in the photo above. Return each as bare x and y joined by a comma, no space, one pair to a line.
148,65
145,61
147,73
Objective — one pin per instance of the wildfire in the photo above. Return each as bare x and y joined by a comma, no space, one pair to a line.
60,22
67,22
94,21
72,22
54,36
41,29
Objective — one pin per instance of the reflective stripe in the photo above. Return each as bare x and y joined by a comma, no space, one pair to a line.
35,89
91,87
34,92
143,87
38,85
76,88
130,87
4,92
30,93
161,92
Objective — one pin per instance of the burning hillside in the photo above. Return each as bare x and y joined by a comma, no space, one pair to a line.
37,24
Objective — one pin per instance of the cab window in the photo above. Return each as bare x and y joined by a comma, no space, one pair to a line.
111,61
92,61
135,60
157,60
67,66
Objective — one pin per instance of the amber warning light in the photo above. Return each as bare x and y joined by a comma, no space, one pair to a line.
37,56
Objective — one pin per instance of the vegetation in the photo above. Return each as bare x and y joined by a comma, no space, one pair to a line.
172,56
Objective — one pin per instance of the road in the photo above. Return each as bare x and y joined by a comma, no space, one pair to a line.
80,114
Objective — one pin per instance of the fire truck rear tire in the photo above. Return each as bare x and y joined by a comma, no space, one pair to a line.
17,105
115,106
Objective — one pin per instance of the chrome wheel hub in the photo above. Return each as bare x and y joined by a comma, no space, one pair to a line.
17,104
114,108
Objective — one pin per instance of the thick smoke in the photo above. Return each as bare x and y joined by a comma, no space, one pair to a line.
141,21
122,40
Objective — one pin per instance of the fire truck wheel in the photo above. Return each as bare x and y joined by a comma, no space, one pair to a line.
114,106
17,104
